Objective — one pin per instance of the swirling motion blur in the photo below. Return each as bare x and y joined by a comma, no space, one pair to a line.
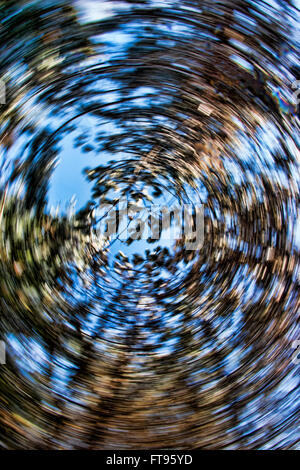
113,344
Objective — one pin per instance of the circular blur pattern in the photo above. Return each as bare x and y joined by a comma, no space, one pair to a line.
116,342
